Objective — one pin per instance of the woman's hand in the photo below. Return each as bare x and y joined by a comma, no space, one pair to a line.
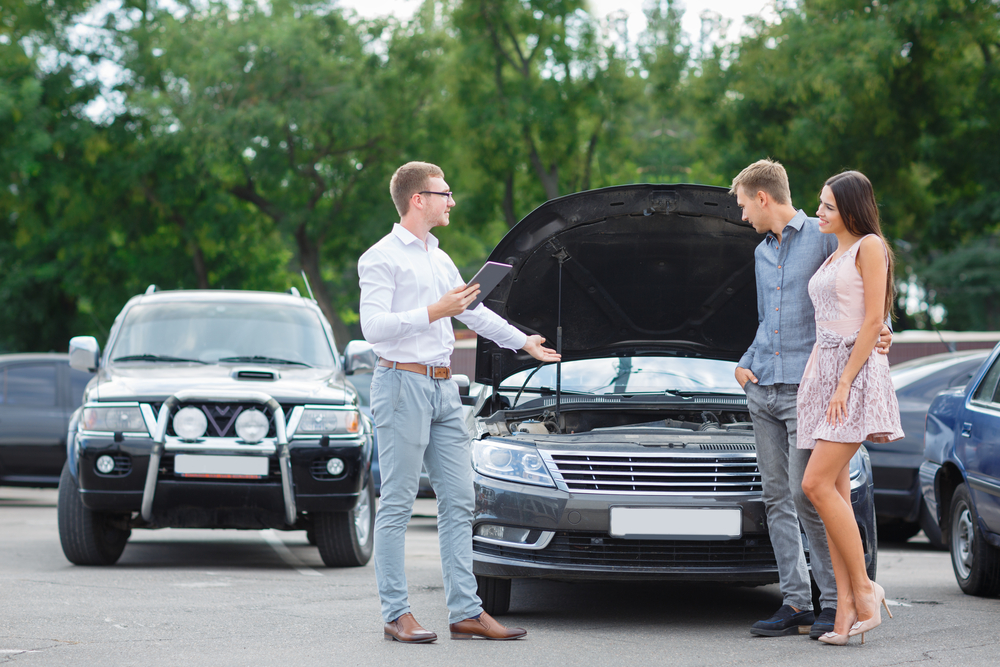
836,412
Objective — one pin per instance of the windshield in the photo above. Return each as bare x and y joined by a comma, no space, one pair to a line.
634,375
232,332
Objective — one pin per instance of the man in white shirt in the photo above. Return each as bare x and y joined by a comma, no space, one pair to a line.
410,290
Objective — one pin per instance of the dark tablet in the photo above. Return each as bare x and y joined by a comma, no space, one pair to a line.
488,277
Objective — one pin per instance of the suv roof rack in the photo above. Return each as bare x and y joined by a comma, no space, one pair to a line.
293,291
152,288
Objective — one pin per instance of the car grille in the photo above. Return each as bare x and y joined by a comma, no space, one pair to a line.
222,417
670,474
599,550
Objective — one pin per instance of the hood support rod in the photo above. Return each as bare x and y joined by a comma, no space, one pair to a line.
561,257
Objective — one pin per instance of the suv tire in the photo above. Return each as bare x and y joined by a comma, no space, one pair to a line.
345,539
87,537
975,561
495,594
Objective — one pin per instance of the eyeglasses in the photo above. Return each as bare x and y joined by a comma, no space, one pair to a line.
447,195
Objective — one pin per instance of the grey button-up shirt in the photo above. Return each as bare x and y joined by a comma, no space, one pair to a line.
786,329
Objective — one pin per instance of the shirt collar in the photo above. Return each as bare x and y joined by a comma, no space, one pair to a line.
795,223
407,237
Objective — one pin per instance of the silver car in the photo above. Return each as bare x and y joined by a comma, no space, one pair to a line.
634,458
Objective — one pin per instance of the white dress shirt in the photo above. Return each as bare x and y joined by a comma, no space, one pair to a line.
400,277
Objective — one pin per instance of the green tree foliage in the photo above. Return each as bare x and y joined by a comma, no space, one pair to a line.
246,141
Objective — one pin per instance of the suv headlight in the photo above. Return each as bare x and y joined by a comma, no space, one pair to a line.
329,422
511,462
115,419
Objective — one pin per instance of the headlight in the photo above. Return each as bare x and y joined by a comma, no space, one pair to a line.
117,420
251,425
512,462
329,422
190,423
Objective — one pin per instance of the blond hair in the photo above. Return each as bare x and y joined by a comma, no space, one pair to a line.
410,179
766,175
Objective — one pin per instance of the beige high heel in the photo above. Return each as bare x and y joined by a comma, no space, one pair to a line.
861,627
834,639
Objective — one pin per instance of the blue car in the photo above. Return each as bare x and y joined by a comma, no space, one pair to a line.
960,478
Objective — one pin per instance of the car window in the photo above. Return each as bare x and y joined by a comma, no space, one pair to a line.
987,390
209,331
77,383
30,385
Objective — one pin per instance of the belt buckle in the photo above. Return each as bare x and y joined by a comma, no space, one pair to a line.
441,373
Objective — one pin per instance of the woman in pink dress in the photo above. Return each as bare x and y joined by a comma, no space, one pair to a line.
846,395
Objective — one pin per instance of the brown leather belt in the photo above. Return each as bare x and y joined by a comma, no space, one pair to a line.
433,372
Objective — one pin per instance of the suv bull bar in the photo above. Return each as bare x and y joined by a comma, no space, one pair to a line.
160,443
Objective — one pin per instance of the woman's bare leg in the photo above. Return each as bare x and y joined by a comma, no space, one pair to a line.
827,484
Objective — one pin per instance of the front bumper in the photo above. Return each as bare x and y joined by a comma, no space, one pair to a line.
144,479
572,534
580,547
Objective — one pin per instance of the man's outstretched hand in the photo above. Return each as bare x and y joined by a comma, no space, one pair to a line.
535,349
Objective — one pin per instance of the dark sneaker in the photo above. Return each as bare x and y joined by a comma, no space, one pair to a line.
824,623
786,621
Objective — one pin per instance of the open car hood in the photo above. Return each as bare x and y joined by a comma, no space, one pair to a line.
645,269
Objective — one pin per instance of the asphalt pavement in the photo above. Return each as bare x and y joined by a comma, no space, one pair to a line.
223,597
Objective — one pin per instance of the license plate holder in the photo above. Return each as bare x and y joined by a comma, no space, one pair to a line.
220,467
677,523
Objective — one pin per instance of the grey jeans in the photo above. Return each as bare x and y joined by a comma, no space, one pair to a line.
773,410
420,421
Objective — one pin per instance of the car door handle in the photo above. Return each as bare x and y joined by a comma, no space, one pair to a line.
967,430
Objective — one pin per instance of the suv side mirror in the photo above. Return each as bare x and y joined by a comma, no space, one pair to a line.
84,353
359,357
463,383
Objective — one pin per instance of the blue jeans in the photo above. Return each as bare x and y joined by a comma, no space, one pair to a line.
420,422
773,410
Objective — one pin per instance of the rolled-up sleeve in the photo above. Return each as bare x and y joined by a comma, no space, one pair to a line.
488,324
378,322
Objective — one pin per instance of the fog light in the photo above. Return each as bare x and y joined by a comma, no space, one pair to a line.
335,467
505,533
190,423
105,464
251,425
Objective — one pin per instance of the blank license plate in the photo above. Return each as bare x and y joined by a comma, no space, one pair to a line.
220,467
676,522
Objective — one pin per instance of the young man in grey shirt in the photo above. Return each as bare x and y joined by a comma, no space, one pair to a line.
792,250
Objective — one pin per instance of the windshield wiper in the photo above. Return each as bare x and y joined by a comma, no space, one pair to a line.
258,359
156,357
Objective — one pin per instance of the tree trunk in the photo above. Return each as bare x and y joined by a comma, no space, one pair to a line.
309,257
548,177
508,200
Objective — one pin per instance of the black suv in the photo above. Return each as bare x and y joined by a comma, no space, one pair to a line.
216,409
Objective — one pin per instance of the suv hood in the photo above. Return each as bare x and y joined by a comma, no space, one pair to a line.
645,269
140,381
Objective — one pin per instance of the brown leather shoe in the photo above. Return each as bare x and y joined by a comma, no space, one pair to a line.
406,629
486,627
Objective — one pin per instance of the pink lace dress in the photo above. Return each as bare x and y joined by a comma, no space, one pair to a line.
838,296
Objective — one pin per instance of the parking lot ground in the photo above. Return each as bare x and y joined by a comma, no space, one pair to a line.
189,597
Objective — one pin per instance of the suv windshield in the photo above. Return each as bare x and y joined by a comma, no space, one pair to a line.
231,332
634,375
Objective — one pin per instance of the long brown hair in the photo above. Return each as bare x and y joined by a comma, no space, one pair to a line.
856,201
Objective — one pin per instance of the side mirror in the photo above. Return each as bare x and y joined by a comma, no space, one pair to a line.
359,357
463,383
84,353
